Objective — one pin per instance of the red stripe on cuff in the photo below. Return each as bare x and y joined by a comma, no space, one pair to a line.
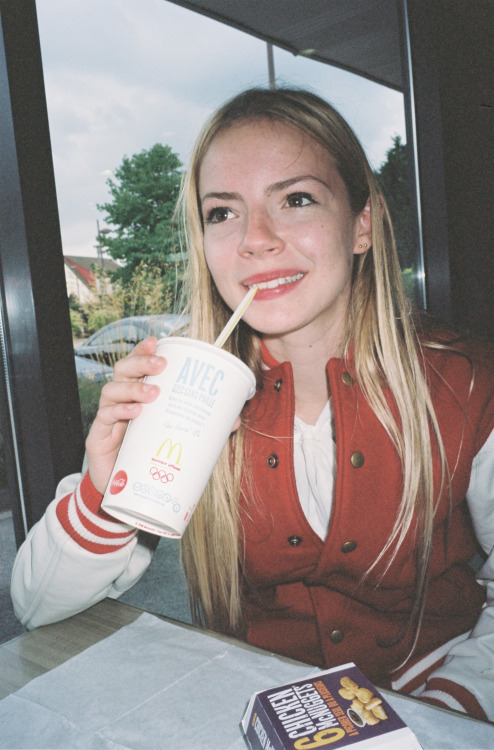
463,696
99,548
94,528
89,534
92,498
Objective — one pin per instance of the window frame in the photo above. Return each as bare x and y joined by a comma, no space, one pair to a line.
38,372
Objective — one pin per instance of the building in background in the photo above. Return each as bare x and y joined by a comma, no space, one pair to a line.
81,275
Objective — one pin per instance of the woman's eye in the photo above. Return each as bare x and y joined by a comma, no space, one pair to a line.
299,200
218,215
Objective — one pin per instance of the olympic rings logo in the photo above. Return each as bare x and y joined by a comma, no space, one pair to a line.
173,500
160,475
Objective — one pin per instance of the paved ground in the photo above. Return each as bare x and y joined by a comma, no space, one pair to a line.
162,589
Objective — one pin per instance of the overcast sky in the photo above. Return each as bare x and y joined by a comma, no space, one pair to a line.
122,75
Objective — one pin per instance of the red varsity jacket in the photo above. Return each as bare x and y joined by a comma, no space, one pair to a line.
315,600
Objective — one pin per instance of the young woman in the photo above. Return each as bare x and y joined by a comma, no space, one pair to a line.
337,525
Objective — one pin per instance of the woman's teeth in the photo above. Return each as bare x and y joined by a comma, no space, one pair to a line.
278,282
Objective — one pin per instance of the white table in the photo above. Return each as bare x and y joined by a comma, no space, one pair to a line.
114,678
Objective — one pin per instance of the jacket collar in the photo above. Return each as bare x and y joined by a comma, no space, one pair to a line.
267,359
269,362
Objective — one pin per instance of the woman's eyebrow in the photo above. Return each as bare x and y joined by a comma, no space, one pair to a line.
273,188
284,184
222,196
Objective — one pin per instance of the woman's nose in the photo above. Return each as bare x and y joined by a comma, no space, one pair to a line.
260,235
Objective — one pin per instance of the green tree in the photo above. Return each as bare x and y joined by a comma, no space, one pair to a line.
143,198
393,178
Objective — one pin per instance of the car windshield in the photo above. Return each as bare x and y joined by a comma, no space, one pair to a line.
161,325
132,330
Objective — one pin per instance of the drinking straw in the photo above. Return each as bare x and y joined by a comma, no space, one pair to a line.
236,317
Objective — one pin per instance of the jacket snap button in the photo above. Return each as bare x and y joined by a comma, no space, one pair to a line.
357,459
336,636
294,540
277,385
347,378
348,546
273,461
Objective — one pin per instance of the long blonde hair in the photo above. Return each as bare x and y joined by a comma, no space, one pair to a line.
385,351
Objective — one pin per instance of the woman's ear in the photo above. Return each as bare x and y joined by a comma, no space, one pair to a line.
363,230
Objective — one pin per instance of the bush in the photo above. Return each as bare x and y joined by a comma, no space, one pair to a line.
99,318
77,324
152,290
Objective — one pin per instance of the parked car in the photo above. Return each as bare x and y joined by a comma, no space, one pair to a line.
117,339
92,370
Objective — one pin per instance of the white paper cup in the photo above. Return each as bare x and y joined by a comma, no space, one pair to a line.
170,449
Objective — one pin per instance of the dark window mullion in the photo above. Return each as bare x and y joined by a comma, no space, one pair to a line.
37,341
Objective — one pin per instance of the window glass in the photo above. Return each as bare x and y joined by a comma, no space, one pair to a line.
120,78
128,333
9,625
105,337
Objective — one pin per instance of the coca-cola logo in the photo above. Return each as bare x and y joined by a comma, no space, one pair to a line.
118,482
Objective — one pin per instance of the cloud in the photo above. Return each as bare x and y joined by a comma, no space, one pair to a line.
121,76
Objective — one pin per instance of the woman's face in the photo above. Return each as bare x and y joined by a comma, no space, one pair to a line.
276,214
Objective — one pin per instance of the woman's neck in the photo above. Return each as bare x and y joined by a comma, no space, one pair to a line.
308,361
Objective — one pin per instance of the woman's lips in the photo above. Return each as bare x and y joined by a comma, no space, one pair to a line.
273,284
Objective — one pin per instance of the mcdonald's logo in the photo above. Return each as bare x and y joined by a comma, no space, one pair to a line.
170,447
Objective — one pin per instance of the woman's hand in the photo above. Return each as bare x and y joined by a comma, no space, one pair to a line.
121,400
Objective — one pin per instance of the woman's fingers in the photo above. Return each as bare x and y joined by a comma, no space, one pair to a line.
121,400
127,392
140,362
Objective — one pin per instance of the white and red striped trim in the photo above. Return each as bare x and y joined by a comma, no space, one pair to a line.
81,516
444,699
415,680
414,676
447,693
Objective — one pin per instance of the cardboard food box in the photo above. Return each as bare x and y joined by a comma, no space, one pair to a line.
338,708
